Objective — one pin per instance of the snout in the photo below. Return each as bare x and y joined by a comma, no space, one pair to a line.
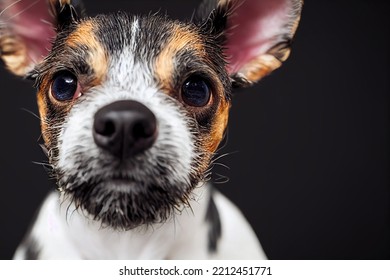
124,128
125,163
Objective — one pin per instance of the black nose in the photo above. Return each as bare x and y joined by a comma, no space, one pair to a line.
125,128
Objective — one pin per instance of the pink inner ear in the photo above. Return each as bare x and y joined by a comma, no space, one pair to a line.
253,29
32,22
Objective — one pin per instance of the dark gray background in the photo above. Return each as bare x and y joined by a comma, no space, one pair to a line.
310,159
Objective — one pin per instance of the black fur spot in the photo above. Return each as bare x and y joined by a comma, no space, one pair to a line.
215,227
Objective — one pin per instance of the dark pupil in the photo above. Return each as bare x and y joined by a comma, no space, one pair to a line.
196,93
64,86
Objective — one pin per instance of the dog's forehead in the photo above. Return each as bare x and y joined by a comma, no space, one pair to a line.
116,43
145,35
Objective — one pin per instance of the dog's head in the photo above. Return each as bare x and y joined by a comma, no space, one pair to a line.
133,108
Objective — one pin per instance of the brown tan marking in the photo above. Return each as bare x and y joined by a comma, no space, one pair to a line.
14,53
210,142
84,35
260,67
44,98
181,37
220,120
42,107
218,126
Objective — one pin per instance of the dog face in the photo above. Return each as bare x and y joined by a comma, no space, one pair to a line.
135,169
133,108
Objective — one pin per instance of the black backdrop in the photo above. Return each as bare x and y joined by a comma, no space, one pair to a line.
310,159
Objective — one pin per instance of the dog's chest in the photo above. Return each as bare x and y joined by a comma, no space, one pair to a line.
60,232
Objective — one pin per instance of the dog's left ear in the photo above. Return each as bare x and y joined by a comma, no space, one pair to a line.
27,29
256,35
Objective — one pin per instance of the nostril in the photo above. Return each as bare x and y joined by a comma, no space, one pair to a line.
143,129
108,128
139,131
104,126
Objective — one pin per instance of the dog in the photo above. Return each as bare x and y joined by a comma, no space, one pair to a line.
133,109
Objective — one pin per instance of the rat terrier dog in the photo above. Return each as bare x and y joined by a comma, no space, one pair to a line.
132,111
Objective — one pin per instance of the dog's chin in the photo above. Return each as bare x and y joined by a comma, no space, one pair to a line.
123,204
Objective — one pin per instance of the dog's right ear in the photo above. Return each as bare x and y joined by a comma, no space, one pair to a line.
27,29
255,35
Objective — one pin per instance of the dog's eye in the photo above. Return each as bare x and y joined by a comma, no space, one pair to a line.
196,92
65,86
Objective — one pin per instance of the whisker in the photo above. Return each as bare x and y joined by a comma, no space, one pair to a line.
43,164
24,10
9,6
224,155
222,165
221,179
31,113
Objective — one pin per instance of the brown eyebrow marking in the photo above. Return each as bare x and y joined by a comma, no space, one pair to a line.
84,35
182,37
